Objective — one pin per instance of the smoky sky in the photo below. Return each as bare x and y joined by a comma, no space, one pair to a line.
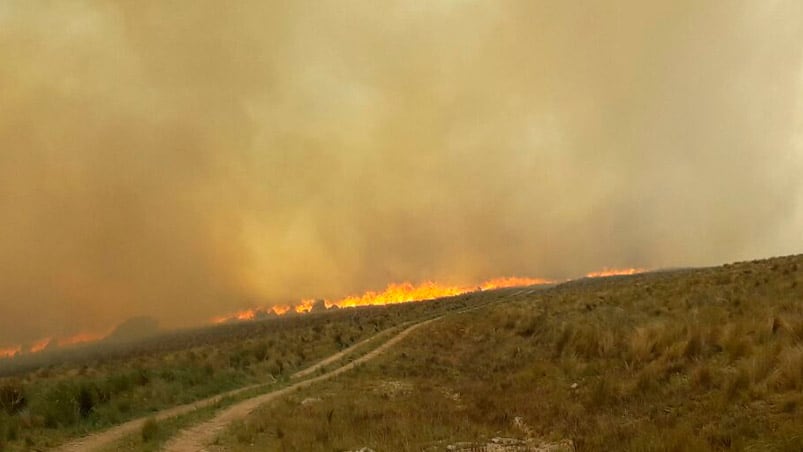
185,159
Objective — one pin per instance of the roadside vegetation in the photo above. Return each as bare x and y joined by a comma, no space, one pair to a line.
685,360
97,388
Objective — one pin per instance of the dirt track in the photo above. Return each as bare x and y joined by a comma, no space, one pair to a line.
106,437
197,437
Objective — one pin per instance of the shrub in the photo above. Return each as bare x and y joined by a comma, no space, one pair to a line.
642,345
702,377
66,403
242,432
12,397
566,334
604,392
150,430
648,378
260,351
120,382
737,382
694,346
789,374
57,406
85,399
10,431
762,364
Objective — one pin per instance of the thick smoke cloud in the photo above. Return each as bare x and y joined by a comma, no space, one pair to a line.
184,159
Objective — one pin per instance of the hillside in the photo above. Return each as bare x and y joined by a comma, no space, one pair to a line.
698,359
678,360
49,398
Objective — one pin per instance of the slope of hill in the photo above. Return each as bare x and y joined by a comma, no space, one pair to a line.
697,359
53,397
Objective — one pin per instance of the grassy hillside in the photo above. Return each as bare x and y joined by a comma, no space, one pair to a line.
71,393
702,359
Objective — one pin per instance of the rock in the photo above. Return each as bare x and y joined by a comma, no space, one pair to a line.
574,386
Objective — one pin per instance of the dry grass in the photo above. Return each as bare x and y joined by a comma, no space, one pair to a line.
45,406
150,430
706,359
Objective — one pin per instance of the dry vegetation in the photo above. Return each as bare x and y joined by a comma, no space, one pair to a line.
704,359
97,387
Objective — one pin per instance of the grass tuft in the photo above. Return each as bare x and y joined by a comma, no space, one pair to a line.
150,430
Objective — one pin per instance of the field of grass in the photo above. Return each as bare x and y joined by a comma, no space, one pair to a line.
43,403
686,360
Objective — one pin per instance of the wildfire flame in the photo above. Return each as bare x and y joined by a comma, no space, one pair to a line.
44,343
614,272
10,351
304,306
81,338
399,293
40,345
394,293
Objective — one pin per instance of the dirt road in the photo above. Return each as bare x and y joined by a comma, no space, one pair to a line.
106,437
197,437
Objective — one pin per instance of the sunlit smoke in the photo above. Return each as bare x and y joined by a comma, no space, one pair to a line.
181,160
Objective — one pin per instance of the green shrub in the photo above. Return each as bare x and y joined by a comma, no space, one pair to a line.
66,403
120,382
57,405
85,399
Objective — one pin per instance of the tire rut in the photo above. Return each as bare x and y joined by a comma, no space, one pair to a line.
106,437
196,438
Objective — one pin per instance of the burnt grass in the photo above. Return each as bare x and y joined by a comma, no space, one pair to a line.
682,360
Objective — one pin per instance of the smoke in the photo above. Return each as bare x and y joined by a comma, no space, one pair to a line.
180,160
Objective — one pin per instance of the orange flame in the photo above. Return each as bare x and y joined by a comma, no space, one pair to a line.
40,345
304,306
400,293
81,338
512,281
10,351
614,272
393,294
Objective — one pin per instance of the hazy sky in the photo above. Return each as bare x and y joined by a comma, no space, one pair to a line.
186,159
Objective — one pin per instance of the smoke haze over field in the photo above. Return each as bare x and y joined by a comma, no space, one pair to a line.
184,159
